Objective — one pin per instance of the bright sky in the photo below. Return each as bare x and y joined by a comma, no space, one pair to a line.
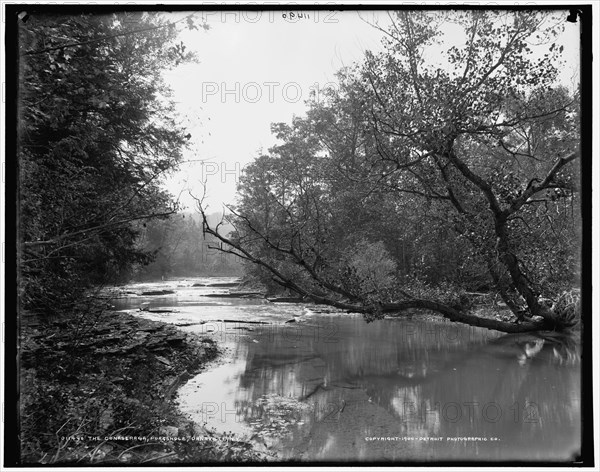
257,68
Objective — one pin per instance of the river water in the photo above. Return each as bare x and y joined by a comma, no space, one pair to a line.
305,384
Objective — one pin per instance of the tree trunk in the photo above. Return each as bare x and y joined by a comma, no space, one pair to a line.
519,280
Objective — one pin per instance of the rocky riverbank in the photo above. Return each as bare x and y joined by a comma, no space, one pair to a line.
99,389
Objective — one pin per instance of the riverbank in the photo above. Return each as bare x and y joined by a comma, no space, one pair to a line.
99,389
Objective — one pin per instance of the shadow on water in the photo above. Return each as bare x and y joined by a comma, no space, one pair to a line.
332,387
324,390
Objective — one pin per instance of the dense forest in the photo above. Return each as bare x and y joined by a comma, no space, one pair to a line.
180,249
97,133
420,182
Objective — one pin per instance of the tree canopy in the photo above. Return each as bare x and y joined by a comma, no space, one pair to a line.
427,175
97,131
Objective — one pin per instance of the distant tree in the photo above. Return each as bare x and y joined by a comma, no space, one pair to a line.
180,249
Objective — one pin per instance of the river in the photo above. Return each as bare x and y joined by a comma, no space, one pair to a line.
304,383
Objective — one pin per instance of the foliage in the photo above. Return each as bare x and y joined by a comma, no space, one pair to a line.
369,271
97,131
455,165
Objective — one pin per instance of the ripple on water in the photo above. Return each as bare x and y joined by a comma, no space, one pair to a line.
323,386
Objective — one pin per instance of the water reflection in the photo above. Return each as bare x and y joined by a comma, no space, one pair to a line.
330,387
321,390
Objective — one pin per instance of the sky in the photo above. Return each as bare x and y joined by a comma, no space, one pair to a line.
256,68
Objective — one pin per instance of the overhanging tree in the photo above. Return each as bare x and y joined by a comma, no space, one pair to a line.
484,144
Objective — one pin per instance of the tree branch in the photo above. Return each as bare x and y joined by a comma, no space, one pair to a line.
95,228
544,184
